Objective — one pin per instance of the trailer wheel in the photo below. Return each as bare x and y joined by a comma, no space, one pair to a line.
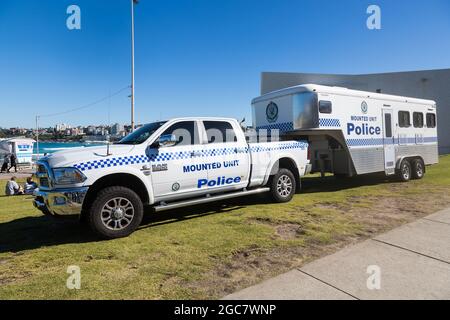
282,186
405,171
418,169
115,213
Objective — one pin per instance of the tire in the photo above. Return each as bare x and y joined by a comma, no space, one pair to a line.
405,172
282,186
115,213
418,169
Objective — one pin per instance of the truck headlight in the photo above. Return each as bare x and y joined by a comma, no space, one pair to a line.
65,176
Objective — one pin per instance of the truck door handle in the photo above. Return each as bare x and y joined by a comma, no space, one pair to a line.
195,154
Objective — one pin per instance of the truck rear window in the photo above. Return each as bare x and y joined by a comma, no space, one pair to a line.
219,132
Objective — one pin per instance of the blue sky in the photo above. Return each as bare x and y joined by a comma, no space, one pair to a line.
197,57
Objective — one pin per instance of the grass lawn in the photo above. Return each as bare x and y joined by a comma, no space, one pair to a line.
206,251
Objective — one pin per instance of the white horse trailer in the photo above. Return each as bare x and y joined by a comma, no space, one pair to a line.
353,132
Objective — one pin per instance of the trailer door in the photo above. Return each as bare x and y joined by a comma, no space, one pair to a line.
388,142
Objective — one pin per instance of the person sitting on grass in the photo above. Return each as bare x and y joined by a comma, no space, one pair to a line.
30,186
12,188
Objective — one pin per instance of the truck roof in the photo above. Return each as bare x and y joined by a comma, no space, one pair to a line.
340,91
203,119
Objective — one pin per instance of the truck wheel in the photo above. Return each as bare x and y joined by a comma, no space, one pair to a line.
116,212
282,186
405,171
418,169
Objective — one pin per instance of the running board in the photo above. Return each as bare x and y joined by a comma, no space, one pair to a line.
208,198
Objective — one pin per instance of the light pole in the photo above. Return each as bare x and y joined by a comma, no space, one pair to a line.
133,2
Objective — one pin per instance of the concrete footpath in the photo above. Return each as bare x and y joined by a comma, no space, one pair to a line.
410,262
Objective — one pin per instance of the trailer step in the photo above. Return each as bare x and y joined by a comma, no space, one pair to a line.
208,198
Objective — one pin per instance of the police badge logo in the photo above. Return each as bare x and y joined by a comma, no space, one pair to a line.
272,112
364,107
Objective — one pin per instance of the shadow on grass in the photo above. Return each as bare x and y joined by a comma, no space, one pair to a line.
331,183
187,213
36,232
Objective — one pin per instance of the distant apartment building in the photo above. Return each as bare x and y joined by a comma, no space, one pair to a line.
18,131
90,130
116,129
62,127
78,131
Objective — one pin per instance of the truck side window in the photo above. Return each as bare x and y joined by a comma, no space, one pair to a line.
404,120
219,132
431,120
325,106
185,133
418,119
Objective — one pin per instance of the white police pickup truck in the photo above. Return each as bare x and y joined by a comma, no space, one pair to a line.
166,165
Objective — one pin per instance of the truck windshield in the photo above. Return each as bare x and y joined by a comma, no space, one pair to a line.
142,134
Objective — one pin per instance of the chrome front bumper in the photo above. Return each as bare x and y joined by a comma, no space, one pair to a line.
60,202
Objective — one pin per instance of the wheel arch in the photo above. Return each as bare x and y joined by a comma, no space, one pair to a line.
285,162
127,180
410,159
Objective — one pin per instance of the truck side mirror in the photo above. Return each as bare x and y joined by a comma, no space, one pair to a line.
167,140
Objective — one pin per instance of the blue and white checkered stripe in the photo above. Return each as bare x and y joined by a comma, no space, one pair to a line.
282,127
284,146
112,162
323,122
168,156
364,142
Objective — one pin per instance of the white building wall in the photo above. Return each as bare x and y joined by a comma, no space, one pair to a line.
430,84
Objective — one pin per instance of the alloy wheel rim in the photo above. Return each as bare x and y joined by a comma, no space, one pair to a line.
405,172
419,170
284,186
117,213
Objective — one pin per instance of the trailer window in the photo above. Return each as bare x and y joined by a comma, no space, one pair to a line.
388,125
418,119
325,106
431,120
404,120
219,132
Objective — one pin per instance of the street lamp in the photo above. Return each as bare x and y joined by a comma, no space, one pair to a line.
133,2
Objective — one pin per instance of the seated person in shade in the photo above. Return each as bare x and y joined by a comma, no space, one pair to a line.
30,186
12,188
